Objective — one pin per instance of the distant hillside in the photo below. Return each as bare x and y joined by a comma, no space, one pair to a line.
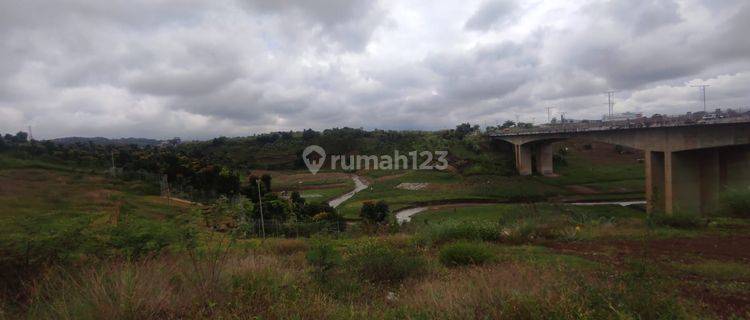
105,141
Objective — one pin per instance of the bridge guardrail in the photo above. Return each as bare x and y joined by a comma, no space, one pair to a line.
579,128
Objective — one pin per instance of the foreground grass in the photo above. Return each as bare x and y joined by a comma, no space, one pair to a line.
523,282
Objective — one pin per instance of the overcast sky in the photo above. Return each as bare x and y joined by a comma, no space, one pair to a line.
200,69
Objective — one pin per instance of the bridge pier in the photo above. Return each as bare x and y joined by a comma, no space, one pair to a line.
692,181
688,166
543,157
523,159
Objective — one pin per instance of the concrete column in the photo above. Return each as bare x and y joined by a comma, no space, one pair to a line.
543,158
654,181
734,168
710,184
682,182
523,159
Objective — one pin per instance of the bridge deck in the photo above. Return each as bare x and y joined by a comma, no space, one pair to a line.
582,128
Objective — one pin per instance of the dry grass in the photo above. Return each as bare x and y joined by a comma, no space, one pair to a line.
285,246
159,288
505,291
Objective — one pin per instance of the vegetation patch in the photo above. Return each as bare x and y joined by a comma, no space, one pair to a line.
452,231
678,220
379,263
720,270
465,253
736,202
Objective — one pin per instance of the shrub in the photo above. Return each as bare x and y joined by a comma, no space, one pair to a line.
465,253
736,202
374,212
323,257
447,232
376,262
140,237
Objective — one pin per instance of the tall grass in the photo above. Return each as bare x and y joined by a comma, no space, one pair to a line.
736,202
465,253
451,231
521,291
379,263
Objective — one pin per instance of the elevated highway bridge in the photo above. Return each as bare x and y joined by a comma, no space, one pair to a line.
687,165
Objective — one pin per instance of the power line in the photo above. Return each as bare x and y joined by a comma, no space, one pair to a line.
703,92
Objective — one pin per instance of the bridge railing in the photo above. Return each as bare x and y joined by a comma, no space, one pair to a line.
594,127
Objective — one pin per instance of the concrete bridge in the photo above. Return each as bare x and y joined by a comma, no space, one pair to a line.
687,165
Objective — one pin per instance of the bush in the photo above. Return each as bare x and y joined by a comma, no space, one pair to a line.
323,257
465,253
736,202
141,237
379,263
374,212
447,232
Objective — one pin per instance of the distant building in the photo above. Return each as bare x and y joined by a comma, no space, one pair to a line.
622,116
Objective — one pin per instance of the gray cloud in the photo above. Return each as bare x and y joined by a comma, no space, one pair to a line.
491,13
200,69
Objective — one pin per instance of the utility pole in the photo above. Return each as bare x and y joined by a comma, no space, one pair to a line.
31,135
611,101
703,92
260,201
548,114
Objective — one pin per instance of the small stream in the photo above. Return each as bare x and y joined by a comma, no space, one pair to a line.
359,185
405,215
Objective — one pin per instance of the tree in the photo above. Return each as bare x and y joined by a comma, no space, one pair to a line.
309,134
312,209
273,208
507,124
266,180
525,125
374,212
21,137
462,130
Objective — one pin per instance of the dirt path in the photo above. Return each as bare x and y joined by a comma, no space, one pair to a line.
359,185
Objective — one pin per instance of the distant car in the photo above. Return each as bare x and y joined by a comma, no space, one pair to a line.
709,116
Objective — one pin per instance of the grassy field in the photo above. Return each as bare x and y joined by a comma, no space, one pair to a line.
486,261
90,247
446,187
